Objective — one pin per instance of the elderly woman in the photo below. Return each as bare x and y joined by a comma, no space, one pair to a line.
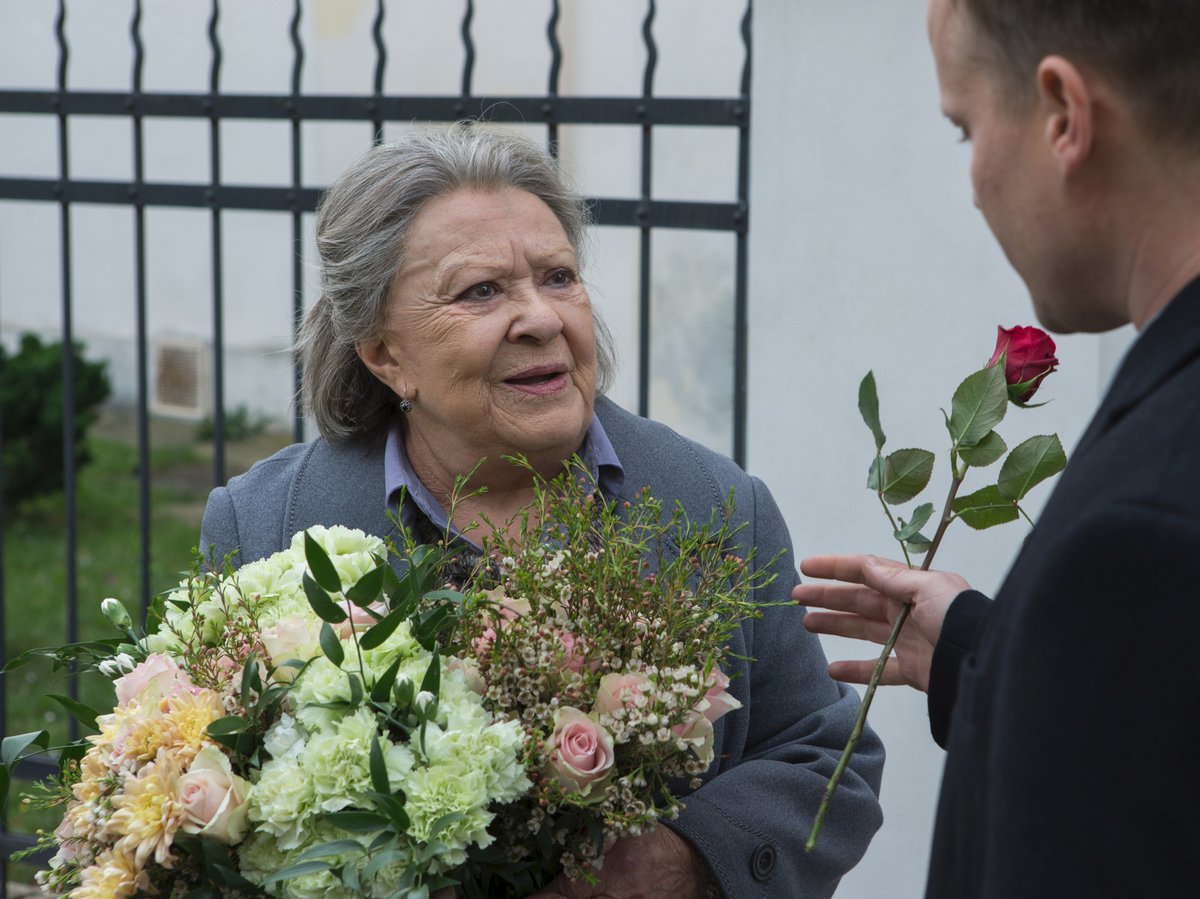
454,326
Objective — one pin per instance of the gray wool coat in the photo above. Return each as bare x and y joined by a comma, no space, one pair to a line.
774,756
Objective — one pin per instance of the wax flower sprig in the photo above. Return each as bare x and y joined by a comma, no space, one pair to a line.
1022,359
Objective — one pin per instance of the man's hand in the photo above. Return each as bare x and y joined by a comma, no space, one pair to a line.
658,863
866,606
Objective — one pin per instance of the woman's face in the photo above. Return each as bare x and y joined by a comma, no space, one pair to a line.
489,333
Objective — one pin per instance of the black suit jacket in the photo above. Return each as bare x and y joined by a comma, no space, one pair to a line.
1070,707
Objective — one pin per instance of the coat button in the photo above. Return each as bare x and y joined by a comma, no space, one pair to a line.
762,863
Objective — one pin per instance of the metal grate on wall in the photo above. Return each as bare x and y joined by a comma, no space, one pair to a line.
190,379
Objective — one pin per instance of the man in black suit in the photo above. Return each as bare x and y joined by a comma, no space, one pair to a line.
1070,705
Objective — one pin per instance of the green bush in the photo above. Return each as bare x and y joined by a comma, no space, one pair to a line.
31,402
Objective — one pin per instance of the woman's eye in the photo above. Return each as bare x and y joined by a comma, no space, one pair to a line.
561,278
484,291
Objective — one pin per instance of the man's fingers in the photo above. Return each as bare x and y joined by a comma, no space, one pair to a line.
855,627
907,585
842,598
859,672
848,568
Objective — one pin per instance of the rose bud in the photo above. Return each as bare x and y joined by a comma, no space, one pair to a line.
1028,357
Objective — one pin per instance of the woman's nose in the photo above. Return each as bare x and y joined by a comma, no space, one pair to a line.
535,315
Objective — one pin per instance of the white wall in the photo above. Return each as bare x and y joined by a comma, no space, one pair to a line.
868,254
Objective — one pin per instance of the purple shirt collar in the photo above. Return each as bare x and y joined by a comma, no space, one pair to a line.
597,454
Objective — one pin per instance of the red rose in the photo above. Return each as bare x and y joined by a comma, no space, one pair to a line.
1028,358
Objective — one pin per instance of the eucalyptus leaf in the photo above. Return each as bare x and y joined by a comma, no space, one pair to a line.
868,407
978,405
12,747
368,588
85,715
357,822
985,508
299,870
985,452
382,688
230,724
1029,464
322,603
333,847
379,774
432,682
331,645
378,632
921,514
906,473
322,569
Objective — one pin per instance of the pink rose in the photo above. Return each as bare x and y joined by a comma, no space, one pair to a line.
213,798
509,609
620,691
697,731
291,638
153,679
717,701
1028,358
582,756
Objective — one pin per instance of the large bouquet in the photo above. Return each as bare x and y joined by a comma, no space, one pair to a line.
314,724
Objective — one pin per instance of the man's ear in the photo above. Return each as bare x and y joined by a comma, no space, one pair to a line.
379,359
1068,100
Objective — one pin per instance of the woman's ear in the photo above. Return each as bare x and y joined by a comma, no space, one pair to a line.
379,359
1070,102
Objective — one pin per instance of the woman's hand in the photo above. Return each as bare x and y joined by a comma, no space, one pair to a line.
658,863
865,607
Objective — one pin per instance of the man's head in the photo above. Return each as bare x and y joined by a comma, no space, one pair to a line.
1069,105
1148,48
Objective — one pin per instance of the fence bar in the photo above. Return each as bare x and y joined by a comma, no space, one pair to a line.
68,369
468,51
143,367
297,220
380,67
643,215
218,316
356,107
741,313
555,70
4,846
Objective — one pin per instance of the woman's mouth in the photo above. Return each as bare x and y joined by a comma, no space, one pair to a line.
538,382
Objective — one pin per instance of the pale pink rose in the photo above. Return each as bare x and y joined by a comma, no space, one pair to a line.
717,701
582,757
617,691
574,652
359,619
213,798
697,732
291,638
470,673
508,609
68,839
154,678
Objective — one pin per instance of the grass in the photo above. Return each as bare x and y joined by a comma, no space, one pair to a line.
108,564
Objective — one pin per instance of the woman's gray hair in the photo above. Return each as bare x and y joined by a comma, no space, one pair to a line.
362,229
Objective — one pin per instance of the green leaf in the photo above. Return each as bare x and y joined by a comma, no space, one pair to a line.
12,747
978,405
368,588
921,514
918,544
394,809
383,687
1029,464
906,473
433,675
333,847
299,870
322,604
868,407
985,452
357,822
985,508
322,569
84,714
379,774
231,724
378,632
331,645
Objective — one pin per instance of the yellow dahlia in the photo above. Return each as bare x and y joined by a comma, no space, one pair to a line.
147,812
185,724
114,874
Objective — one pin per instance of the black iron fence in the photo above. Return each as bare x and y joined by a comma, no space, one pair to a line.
645,111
